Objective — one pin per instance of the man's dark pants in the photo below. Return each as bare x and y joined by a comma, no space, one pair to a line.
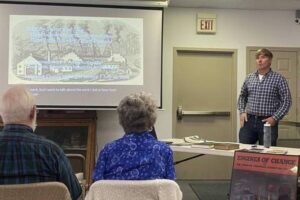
253,131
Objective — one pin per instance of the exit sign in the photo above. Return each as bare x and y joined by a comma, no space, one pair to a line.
206,23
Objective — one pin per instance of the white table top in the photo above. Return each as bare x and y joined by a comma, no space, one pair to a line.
230,153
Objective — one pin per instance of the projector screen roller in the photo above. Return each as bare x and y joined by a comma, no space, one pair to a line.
81,57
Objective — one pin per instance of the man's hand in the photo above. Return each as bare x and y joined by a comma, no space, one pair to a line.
243,119
270,120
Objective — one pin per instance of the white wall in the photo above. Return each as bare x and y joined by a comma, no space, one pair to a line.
236,29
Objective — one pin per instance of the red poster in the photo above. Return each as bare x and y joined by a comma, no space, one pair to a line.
260,176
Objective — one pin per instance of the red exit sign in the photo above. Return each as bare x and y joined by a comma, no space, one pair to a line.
205,24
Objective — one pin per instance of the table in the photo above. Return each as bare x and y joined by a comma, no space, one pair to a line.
229,153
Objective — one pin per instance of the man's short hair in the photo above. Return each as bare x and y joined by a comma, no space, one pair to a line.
264,52
16,104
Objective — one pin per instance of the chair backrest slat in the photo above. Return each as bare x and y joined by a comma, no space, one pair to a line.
35,191
159,189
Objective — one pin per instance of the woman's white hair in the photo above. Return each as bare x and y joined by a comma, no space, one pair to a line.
16,104
137,112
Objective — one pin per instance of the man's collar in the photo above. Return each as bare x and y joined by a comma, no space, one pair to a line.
269,72
17,127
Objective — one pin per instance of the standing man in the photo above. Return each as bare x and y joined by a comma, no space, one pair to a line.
24,156
265,97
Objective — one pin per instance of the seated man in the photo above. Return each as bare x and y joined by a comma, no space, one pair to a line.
24,156
138,155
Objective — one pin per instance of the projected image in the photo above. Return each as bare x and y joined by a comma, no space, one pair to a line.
75,50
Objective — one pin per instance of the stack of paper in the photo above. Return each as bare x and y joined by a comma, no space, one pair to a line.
276,151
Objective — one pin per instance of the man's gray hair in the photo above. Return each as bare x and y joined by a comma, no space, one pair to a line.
137,112
16,104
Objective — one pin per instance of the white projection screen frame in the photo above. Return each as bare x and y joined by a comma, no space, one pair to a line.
81,57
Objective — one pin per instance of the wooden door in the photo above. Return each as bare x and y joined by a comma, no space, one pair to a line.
205,80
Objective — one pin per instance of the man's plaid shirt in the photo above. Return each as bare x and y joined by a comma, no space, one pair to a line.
28,158
269,97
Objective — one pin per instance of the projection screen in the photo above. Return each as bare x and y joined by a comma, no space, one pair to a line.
81,56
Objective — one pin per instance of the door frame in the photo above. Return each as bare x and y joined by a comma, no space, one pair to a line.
177,50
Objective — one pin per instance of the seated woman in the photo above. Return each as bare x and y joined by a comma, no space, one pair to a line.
137,155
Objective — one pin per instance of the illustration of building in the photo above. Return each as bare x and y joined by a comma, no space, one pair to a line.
117,58
66,64
29,66
71,60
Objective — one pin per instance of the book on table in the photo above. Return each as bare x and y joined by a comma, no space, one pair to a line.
196,142
203,143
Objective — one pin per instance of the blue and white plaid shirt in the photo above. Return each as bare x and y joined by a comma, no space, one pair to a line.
267,97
